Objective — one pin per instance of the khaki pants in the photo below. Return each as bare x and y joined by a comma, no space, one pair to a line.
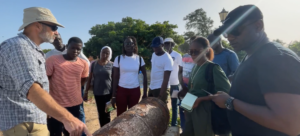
28,129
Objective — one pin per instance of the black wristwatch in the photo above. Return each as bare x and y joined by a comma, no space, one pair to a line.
229,103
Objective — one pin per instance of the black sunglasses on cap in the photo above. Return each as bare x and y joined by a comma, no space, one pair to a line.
53,28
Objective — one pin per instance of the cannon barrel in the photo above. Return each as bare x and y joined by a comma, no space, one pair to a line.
150,117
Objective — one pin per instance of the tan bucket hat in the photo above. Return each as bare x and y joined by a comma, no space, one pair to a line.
37,14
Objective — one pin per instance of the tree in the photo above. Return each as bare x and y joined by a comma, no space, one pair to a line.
114,33
279,41
185,46
295,46
199,21
46,50
240,54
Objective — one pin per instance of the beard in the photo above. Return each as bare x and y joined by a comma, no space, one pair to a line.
46,36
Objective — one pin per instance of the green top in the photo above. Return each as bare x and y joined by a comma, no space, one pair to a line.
197,77
198,122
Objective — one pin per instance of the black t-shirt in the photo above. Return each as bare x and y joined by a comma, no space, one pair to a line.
273,68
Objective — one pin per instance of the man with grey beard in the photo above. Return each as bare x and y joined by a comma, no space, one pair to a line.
24,85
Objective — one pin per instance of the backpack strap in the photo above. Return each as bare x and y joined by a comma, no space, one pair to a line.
140,64
119,61
119,66
209,76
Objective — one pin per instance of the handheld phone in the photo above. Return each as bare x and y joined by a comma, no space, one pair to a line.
207,92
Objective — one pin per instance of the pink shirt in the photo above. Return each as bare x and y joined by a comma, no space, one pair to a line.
65,81
187,66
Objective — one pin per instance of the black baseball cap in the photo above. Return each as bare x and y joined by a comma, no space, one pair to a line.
237,17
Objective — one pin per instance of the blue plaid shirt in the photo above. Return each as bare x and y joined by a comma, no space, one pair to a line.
22,63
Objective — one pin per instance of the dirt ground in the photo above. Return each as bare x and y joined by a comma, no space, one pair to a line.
91,114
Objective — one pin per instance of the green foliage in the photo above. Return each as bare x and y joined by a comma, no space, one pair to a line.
114,33
199,21
46,50
295,46
185,46
240,54
189,34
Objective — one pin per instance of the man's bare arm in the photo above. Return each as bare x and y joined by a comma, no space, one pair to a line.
180,77
46,103
164,85
83,80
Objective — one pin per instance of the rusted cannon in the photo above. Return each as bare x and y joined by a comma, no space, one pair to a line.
150,117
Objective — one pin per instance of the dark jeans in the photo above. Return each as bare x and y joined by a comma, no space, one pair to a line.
175,110
101,101
56,128
127,98
182,118
174,105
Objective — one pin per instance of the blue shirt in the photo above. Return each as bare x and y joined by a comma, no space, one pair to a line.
228,61
22,63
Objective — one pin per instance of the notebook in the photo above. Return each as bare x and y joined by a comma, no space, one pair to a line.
188,102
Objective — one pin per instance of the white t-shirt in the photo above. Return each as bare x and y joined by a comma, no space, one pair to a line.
129,70
57,52
160,64
177,61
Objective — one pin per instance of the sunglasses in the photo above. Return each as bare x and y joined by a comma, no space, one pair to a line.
194,52
237,31
53,28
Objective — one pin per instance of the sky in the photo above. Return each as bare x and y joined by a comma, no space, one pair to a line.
281,17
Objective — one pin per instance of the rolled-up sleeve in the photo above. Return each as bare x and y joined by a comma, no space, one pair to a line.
23,68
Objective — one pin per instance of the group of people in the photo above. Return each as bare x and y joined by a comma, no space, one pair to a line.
43,96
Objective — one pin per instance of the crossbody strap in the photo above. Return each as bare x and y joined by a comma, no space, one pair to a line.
119,65
209,76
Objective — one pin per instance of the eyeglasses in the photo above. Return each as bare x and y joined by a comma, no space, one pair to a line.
53,28
238,30
194,52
